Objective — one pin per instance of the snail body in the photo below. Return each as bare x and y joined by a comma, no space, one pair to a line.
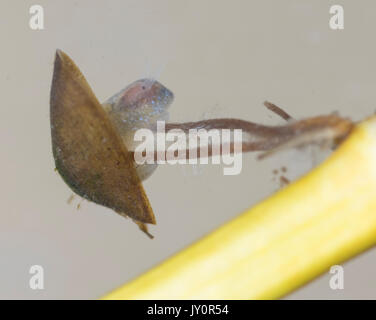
140,105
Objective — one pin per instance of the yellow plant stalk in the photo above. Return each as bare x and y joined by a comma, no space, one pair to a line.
324,218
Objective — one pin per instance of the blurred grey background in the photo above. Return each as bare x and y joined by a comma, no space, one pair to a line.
220,58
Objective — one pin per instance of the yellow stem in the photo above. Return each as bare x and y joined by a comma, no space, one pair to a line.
324,218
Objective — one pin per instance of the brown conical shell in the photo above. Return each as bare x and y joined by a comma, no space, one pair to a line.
89,153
